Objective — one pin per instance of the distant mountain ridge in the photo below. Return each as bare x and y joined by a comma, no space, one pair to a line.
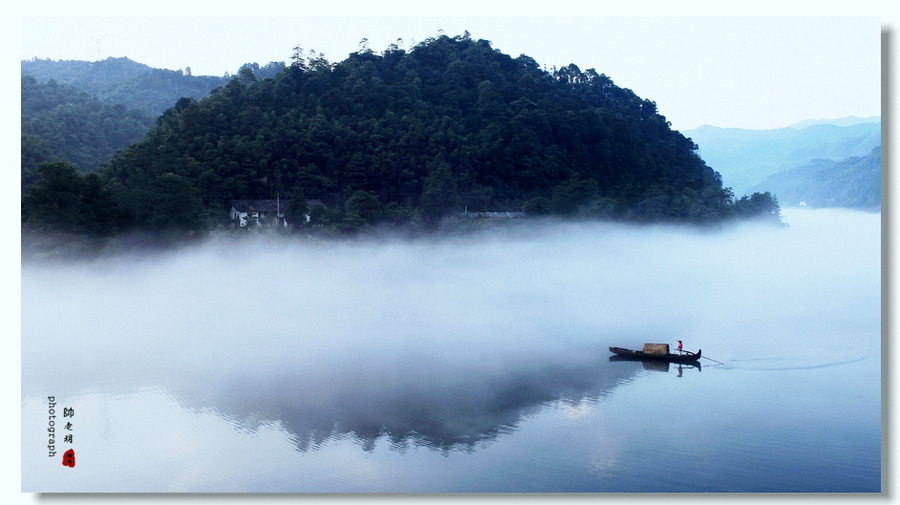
844,121
850,183
133,84
745,157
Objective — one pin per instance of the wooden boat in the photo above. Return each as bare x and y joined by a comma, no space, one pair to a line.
684,357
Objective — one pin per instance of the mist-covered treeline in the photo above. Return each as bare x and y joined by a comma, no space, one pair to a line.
411,137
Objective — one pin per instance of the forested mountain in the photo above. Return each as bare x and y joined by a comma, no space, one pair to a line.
747,157
416,135
135,85
852,183
61,123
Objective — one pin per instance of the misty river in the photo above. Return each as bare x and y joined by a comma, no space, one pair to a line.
475,363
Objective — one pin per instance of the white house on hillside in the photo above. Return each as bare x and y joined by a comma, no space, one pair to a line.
265,212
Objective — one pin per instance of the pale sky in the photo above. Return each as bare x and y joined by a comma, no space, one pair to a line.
743,72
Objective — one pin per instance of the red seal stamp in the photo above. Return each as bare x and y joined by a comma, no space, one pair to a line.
69,458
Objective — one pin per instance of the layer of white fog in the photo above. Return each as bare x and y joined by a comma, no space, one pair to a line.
378,314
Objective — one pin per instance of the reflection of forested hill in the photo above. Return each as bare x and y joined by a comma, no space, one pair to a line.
852,183
441,407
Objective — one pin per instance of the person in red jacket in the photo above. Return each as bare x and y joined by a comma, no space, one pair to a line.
680,350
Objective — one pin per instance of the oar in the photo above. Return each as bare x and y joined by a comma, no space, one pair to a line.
714,361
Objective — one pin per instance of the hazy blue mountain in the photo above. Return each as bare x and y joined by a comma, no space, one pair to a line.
853,183
133,84
90,77
745,158
844,121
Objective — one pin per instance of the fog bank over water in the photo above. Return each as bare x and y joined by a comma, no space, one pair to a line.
258,307
358,366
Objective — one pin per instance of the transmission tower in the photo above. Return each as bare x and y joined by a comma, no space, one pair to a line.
100,77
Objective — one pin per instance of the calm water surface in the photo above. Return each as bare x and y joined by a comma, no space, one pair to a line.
474,365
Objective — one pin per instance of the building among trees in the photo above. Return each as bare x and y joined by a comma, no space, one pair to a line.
264,212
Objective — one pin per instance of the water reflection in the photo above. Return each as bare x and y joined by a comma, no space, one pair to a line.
659,366
436,406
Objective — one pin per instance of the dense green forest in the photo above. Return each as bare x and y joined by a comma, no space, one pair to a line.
61,123
402,137
854,182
